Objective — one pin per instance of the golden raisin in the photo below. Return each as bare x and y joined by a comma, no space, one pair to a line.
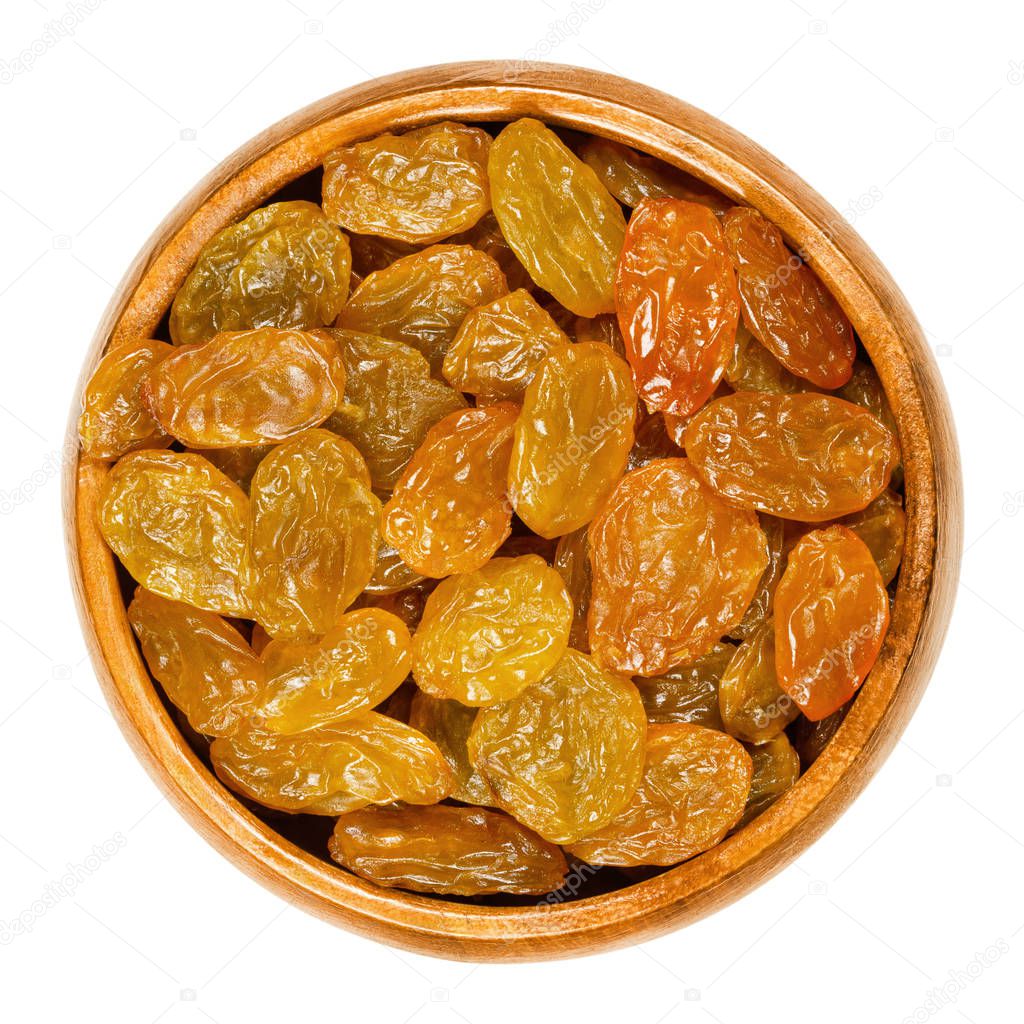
204,665
572,439
115,419
285,265
421,186
487,635
449,511
355,666
677,302
247,387
831,616
457,851
562,223
333,769
448,724
499,346
804,457
753,706
785,305
313,534
674,569
391,401
689,692
567,754
179,527
422,299
694,788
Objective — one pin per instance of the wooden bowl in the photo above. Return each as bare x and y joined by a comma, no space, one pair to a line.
701,145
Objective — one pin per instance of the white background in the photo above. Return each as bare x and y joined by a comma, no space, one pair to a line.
905,115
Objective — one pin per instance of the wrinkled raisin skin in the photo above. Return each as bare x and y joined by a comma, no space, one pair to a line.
418,187
449,511
562,223
314,532
573,438
458,851
654,602
831,617
178,526
804,457
115,419
238,282
677,303
566,755
785,305
487,635
422,299
247,387
694,788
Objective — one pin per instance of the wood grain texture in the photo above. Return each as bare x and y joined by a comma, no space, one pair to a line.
701,145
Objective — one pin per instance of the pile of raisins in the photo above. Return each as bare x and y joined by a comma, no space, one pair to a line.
525,503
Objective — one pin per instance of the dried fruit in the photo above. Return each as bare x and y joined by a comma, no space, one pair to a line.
562,223
487,635
334,769
423,298
809,738
776,769
687,693
391,575
375,660
115,419
238,464
785,305
391,401
449,511
285,265
753,368
448,724
604,327
454,851
753,706
694,788
633,177
178,525
677,302
407,604
356,665
566,755
652,442
421,186
865,389
882,526
313,534
761,605
486,236
572,439
831,616
528,544
247,387
674,569
205,667
804,457
498,347
572,563
371,252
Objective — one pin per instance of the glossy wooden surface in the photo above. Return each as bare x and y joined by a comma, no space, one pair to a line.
698,143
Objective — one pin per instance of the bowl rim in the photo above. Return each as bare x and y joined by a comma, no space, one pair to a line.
697,142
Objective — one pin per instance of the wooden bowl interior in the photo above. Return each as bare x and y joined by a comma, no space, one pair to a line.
288,853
